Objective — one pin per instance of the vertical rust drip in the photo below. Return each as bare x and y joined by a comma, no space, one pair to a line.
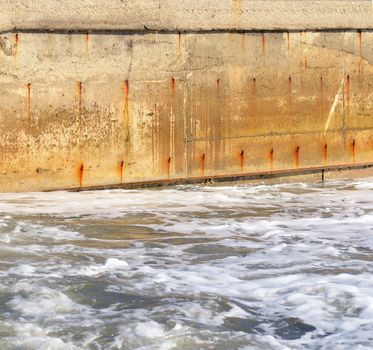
243,40
172,86
168,167
264,43
16,46
253,88
322,96
121,168
80,99
301,37
86,43
305,63
271,157
203,164
353,150
126,93
81,175
325,154
297,157
179,43
242,159
28,87
288,38
360,51
290,99
348,87
218,86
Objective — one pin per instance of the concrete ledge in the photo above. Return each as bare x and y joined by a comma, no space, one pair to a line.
191,15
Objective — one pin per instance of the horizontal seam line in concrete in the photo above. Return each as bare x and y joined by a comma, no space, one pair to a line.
178,31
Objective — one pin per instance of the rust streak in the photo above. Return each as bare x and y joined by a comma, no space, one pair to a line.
168,167
126,94
80,98
271,157
172,86
305,63
218,86
348,87
179,43
121,168
16,46
253,89
360,50
81,175
290,89
353,150
322,96
288,38
28,87
243,40
264,43
242,159
297,157
203,163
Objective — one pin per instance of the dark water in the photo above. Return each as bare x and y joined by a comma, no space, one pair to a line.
239,267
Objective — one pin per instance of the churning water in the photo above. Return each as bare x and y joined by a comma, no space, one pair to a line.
234,267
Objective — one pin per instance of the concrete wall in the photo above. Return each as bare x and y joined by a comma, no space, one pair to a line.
83,109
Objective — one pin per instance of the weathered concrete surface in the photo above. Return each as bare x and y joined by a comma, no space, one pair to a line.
190,15
81,110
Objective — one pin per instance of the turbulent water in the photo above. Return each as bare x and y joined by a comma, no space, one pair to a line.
232,267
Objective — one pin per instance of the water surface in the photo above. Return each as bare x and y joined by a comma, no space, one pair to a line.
232,267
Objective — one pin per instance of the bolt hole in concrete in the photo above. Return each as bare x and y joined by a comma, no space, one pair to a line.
228,267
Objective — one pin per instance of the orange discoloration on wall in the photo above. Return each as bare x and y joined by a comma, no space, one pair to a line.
80,99
360,51
288,40
322,96
126,90
81,174
172,86
348,88
264,43
28,88
203,161
297,157
218,86
242,159
243,40
179,43
353,150
271,158
121,170
305,63
169,167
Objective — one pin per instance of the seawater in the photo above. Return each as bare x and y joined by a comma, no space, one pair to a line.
192,267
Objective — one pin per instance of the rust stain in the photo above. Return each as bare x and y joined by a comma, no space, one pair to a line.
325,154
28,87
322,96
288,38
264,43
172,86
301,37
305,63
86,43
121,168
297,157
16,46
360,51
203,158
271,157
80,98
353,150
348,87
126,90
290,89
253,88
243,40
81,174
168,167
242,159
218,86
179,43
